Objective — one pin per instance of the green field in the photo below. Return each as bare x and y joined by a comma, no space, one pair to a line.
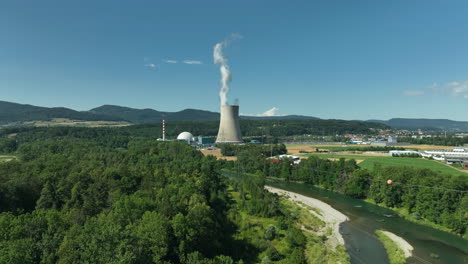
352,147
370,161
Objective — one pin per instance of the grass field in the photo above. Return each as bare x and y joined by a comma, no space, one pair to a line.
6,158
369,162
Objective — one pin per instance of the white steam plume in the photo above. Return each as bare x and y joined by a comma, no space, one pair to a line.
223,67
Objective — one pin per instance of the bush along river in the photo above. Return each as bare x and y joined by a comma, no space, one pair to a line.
430,245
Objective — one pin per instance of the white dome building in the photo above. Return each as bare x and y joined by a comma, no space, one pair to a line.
185,136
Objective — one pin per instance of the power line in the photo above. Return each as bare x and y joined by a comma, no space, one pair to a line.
438,188
400,183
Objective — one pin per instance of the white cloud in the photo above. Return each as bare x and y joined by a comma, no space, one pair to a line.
270,112
183,61
192,62
236,36
151,65
413,92
455,88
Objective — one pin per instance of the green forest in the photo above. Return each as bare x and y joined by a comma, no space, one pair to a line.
106,196
116,195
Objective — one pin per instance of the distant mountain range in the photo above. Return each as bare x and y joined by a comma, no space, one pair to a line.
425,124
14,112
153,116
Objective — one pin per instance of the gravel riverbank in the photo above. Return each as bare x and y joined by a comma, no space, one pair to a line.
332,217
402,244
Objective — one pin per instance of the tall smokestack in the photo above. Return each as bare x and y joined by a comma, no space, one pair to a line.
229,129
164,130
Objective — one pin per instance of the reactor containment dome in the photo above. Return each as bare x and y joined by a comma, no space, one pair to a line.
186,136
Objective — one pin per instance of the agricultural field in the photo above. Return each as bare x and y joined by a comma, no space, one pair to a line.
426,147
217,154
295,149
369,162
76,123
6,158
366,159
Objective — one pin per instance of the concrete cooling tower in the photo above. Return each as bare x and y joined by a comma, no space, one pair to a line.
229,129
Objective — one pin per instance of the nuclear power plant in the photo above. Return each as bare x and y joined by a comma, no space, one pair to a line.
229,128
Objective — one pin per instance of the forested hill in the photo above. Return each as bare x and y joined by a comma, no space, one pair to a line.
13,112
17,113
425,124
207,122
147,115
285,117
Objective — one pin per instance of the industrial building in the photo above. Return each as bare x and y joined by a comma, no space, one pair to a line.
402,152
455,152
205,140
391,141
455,155
187,137
276,159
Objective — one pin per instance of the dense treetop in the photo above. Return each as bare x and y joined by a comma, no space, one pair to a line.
104,196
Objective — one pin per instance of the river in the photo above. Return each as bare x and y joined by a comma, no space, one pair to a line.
364,247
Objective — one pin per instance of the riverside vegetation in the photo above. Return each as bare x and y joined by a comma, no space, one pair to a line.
423,195
395,254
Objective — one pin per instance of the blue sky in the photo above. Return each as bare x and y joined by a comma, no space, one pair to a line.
331,59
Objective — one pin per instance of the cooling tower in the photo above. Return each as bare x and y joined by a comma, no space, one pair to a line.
229,129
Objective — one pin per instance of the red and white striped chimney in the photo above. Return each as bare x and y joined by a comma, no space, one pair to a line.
164,130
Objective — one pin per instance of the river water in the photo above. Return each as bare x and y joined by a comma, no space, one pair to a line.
362,244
